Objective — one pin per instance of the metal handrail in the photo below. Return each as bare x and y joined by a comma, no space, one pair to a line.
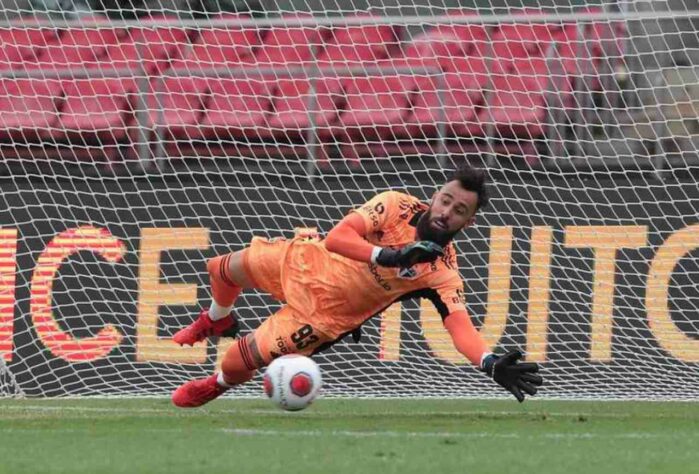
358,20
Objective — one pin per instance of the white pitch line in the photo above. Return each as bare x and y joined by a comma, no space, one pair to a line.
320,414
373,434
437,434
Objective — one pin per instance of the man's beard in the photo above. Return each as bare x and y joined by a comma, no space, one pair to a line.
427,232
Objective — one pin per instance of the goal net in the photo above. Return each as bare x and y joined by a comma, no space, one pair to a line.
136,144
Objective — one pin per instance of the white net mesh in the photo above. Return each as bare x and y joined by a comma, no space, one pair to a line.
134,150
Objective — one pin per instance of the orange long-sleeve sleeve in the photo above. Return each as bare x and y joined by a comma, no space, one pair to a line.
347,239
466,338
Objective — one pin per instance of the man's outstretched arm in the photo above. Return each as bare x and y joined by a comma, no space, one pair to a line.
510,374
347,238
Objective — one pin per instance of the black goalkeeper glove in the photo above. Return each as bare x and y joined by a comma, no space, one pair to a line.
513,376
423,251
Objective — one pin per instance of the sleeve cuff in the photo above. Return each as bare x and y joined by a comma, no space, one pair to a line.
375,253
483,357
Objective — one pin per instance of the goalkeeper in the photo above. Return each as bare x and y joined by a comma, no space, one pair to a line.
392,248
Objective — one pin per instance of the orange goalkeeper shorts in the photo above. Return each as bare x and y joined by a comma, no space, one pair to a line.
263,261
285,332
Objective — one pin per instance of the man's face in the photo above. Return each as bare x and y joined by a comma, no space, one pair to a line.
452,209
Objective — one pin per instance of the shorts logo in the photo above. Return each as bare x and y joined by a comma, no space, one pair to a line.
281,347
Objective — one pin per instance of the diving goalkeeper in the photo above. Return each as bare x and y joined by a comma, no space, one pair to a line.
392,248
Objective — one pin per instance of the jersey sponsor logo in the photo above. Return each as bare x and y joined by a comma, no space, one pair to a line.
374,212
407,273
374,270
459,298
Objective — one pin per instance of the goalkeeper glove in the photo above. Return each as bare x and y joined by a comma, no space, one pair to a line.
513,376
423,251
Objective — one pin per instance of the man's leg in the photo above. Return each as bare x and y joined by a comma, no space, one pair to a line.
258,266
228,278
234,371
280,334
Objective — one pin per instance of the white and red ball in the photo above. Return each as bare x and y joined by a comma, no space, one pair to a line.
292,382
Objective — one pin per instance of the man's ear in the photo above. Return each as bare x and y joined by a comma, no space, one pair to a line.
471,221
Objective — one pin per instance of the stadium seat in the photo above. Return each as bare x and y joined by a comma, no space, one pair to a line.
152,48
435,47
25,36
76,47
515,107
221,47
63,56
452,99
292,119
376,106
290,46
14,57
27,108
357,46
176,106
516,41
237,109
474,36
95,110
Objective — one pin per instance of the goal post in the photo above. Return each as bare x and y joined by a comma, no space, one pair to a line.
134,150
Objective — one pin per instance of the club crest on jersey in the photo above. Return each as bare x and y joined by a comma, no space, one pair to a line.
407,273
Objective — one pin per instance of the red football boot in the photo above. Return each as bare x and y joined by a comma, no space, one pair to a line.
205,327
196,393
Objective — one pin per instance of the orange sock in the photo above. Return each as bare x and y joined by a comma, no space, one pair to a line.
238,367
223,290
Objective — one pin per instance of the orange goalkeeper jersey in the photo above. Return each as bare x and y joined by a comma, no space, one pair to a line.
337,294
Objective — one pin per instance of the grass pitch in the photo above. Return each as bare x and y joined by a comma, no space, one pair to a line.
348,436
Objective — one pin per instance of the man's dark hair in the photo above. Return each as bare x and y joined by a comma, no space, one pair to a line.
472,179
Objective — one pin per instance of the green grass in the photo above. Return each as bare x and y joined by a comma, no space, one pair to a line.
348,436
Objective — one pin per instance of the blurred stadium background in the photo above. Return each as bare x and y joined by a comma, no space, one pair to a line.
140,138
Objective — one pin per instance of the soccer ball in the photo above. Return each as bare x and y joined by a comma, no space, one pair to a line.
292,382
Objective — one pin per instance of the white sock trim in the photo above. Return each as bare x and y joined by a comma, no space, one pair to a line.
217,311
221,381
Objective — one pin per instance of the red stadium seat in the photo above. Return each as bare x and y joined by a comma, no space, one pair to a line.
290,46
24,35
238,108
176,106
151,47
474,36
436,46
516,107
222,47
453,98
14,57
76,47
353,46
59,56
375,106
27,108
515,41
95,110
292,117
